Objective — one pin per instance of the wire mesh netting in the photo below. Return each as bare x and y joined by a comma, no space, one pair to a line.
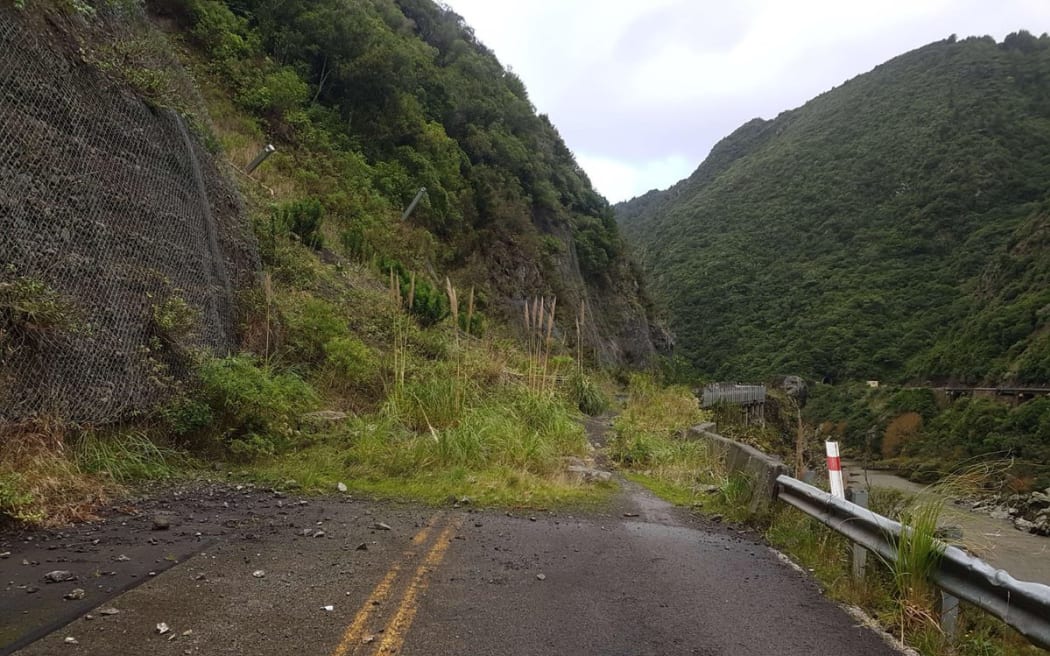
113,221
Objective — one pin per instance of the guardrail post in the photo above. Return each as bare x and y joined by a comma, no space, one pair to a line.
838,489
949,614
860,554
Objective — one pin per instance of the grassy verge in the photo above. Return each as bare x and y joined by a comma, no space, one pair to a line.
649,445
503,448
51,475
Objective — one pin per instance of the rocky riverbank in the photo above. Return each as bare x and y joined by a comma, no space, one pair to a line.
1028,512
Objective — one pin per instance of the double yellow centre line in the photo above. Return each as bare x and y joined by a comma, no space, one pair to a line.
359,639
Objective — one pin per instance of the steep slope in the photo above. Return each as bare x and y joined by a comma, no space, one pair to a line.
110,159
158,301
894,227
401,95
113,218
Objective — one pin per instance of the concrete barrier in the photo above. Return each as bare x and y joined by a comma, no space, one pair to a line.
760,469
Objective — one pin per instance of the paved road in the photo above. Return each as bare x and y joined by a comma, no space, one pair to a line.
458,582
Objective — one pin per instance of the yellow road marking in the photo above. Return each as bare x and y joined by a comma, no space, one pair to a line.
353,636
394,637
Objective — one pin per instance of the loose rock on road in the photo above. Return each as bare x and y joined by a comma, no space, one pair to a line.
643,578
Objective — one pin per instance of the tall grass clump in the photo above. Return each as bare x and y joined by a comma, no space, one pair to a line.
518,429
513,428
127,457
350,363
586,394
649,439
918,553
653,423
40,481
434,402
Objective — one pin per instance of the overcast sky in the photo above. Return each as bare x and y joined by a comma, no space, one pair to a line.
642,89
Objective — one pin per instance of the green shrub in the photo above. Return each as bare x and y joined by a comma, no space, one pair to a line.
14,500
277,93
351,361
311,323
426,302
356,242
257,409
473,324
30,309
173,316
187,416
586,394
216,28
633,447
303,219
172,322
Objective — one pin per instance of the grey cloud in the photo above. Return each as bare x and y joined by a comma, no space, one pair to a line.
703,27
556,47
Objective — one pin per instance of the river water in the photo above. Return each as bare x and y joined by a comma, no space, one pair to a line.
1024,556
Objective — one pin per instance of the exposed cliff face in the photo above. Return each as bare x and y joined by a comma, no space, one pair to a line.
122,244
619,326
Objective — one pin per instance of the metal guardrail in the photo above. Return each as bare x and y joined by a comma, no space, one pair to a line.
1024,606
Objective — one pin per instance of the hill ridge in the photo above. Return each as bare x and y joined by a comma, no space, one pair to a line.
844,238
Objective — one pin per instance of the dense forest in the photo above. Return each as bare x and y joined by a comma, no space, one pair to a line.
896,227
377,99
925,434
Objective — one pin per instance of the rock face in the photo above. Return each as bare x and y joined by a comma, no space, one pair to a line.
795,387
1028,512
619,324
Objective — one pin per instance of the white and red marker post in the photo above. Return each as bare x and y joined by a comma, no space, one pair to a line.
838,488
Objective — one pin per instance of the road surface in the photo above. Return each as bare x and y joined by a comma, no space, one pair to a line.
641,578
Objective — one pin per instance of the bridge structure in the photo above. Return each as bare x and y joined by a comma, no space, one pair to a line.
1019,394
751,399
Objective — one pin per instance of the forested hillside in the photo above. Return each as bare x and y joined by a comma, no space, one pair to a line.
895,227
394,96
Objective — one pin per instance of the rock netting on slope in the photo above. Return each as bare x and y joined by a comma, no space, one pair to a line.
111,209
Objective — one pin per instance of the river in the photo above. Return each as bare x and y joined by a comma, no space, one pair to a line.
1024,556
